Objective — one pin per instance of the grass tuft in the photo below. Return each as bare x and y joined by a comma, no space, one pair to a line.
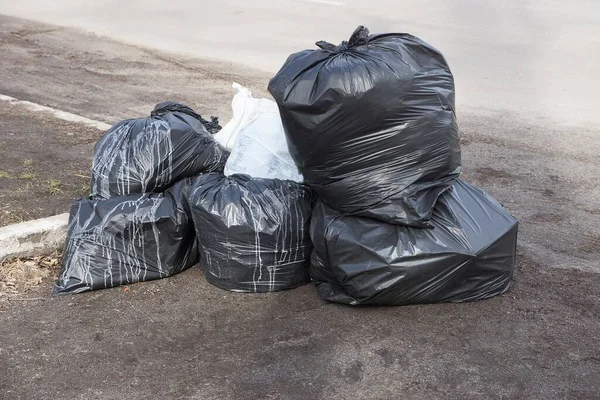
54,187
28,175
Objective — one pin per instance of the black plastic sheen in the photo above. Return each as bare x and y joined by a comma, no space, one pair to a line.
371,124
252,233
468,254
126,240
150,154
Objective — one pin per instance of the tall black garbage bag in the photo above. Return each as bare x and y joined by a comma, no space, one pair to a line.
469,254
371,124
252,233
127,239
150,154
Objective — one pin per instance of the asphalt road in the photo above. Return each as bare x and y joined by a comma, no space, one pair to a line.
537,59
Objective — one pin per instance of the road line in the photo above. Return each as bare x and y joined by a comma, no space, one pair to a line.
65,116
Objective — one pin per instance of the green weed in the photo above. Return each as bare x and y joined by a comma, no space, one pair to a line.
54,187
28,175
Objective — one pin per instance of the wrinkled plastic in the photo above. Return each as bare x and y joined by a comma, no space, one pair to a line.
259,145
151,154
126,240
252,233
371,124
469,254
242,105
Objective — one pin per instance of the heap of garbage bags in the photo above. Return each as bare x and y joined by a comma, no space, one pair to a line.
349,179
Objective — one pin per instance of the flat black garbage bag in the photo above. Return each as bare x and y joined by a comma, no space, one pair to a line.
469,254
150,154
371,124
252,233
127,239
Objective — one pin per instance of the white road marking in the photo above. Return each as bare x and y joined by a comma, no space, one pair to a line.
65,116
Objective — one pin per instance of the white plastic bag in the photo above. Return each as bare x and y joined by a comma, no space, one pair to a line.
256,139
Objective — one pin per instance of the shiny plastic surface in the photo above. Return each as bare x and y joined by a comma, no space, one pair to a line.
259,146
252,233
150,154
371,124
125,240
468,254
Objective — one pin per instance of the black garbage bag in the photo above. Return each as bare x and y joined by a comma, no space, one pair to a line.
150,154
252,233
469,254
371,124
127,239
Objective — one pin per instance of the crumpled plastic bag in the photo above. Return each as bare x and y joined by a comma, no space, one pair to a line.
252,233
127,239
256,139
371,124
150,154
468,254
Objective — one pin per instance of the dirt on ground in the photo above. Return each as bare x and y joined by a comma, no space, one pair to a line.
181,338
44,163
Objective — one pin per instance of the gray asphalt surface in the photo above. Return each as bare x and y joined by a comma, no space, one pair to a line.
182,338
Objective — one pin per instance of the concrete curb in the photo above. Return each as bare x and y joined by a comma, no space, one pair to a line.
65,116
33,238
